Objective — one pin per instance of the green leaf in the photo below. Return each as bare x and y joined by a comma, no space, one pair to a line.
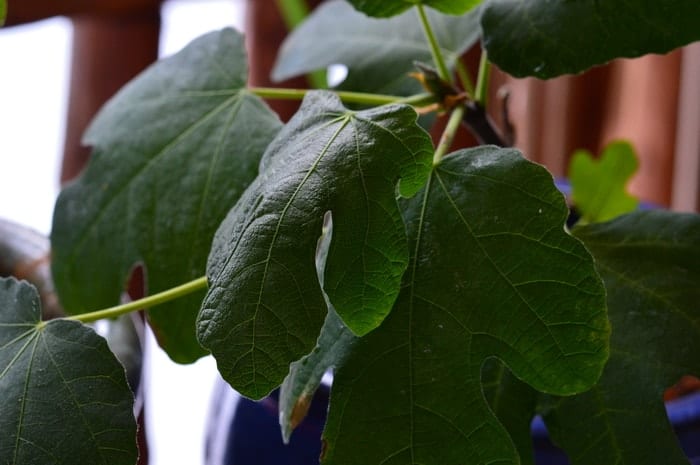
3,11
65,399
333,346
264,308
492,274
379,53
547,38
387,8
173,151
650,262
598,187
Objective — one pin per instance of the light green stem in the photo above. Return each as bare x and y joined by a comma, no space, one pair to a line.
293,12
448,134
434,46
349,97
146,302
465,79
482,82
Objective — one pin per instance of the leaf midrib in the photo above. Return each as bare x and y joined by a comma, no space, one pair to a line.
414,267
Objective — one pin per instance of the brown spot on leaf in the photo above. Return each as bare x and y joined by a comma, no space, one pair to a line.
300,409
324,449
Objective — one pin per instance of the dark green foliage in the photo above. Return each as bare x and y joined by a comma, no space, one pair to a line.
387,8
449,300
650,262
492,274
334,345
264,308
547,38
65,399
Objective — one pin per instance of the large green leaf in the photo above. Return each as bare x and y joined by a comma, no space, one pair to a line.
492,274
379,53
547,38
65,399
387,8
173,151
598,187
265,307
650,262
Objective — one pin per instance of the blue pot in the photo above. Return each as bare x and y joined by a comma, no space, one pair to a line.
249,433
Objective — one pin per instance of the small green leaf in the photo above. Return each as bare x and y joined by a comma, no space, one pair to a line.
173,151
547,38
65,399
598,188
379,53
3,11
265,308
387,8
492,274
650,262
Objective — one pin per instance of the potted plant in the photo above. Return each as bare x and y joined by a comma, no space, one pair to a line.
439,283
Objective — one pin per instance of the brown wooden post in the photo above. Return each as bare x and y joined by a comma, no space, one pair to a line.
642,107
26,11
107,52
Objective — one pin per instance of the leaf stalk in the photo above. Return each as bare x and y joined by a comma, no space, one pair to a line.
443,71
146,302
482,81
464,78
345,96
448,134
